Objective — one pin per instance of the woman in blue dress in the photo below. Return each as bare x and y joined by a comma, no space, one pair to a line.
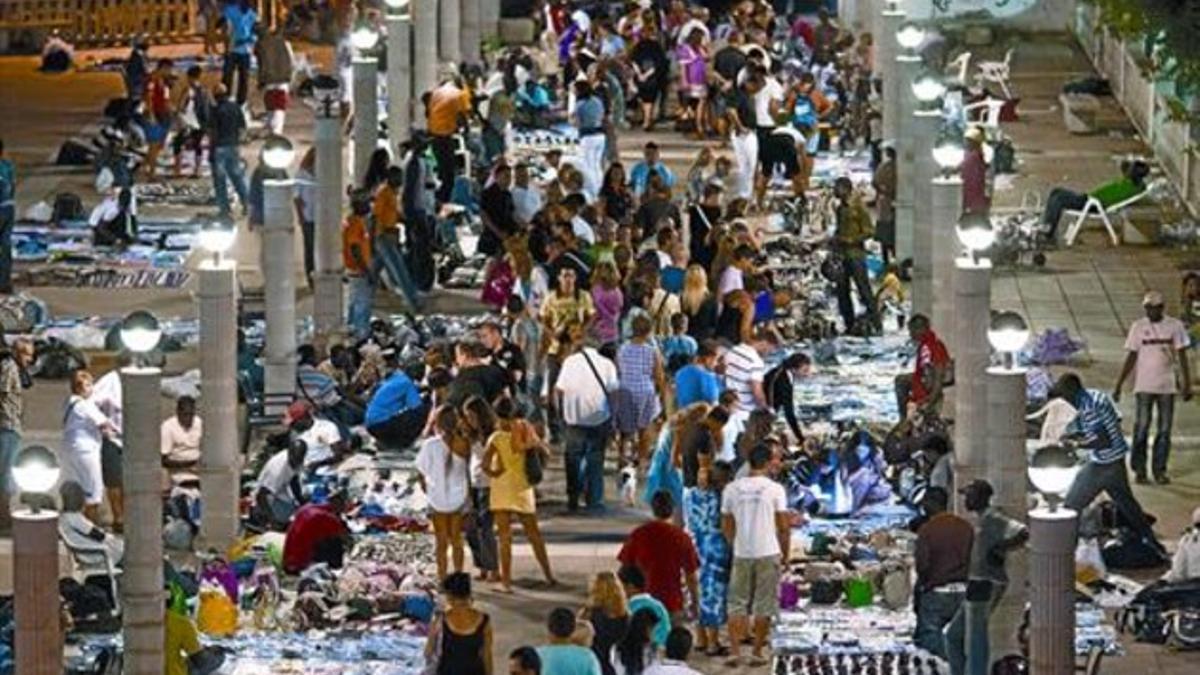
702,516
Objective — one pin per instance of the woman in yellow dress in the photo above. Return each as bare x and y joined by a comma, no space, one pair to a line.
512,495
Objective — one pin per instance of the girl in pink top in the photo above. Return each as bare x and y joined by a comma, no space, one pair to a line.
608,300
693,66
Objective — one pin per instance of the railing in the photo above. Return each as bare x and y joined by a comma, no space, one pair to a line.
100,22
1173,143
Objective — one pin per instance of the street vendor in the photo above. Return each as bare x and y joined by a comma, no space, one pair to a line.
278,492
922,390
317,534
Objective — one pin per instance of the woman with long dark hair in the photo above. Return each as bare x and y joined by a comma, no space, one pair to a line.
635,652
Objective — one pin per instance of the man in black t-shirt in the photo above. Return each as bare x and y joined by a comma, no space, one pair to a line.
475,376
504,353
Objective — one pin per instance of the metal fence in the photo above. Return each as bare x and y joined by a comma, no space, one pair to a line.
1174,143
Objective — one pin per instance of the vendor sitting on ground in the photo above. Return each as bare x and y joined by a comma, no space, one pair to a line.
114,220
1185,566
323,438
81,534
1131,184
278,492
397,412
317,535
180,436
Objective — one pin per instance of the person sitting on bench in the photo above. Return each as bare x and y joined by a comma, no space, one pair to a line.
1131,184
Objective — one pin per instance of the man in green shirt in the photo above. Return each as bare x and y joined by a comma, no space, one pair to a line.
853,229
1131,183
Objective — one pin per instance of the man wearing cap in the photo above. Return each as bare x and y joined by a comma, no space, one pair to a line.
639,176
995,535
1155,345
1185,565
976,199
321,436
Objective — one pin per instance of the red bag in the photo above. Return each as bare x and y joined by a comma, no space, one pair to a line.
498,284
275,99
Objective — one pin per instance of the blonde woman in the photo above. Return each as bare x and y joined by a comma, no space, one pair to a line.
698,303
607,610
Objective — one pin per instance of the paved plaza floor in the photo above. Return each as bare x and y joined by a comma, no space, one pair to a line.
1093,289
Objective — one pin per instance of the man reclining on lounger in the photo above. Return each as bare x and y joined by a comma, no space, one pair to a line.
1131,184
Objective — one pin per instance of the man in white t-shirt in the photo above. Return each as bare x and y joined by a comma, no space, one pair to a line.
278,494
180,435
1155,345
754,517
744,370
585,385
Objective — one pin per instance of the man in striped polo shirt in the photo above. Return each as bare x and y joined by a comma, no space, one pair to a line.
1098,428
744,369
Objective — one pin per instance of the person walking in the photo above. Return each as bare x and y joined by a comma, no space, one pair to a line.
702,518
607,611
1097,427
159,114
852,231
225,136
442,465
1155,346
13,382
388,253
195,110
512,496
584,388
943,558
665,554
976,193
636,651
240,20
642,376
478,424
447,110
589,120
356,259
884,182
8,216
274,54
460,638
754,517
305,200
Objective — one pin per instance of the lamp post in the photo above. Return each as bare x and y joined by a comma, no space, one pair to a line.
946,206
972,310
489,19
889,22
919,171
327,244
425,51
142,582
1052,535
365,85
399,72
449,25
219,468
38,630
279,278
907,67
1006,468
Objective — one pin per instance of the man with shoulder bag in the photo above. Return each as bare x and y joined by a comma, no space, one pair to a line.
584,390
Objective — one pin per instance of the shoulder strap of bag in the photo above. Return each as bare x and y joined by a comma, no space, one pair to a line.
595,373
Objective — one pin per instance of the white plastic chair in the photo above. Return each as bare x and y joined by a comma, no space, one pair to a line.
997,72
1094,209
95,562
959,68
985,113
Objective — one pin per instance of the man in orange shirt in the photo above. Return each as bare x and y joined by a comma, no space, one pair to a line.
447,108
356,258
387,253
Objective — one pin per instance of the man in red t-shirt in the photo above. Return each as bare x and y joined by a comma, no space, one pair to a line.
923,388
316,534
665,554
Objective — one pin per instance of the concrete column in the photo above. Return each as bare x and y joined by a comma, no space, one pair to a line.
1006,470
489,18
37,643
425,54
886,51
946,205
470,34
220,467
365,79
279,279
906,70
919,171
1052,581
969,348
327,244
449,25
142,583
399,80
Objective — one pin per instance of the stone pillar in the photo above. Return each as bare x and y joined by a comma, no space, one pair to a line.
1052,581
399,80
886,51
946,200
906,70
918,172
489,18
220,467
471,32
365,79
38,640
449,25
969,348
1006,471
425,54
142,581
327,237
280,289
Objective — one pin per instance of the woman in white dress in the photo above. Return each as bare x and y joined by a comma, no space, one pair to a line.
84,428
